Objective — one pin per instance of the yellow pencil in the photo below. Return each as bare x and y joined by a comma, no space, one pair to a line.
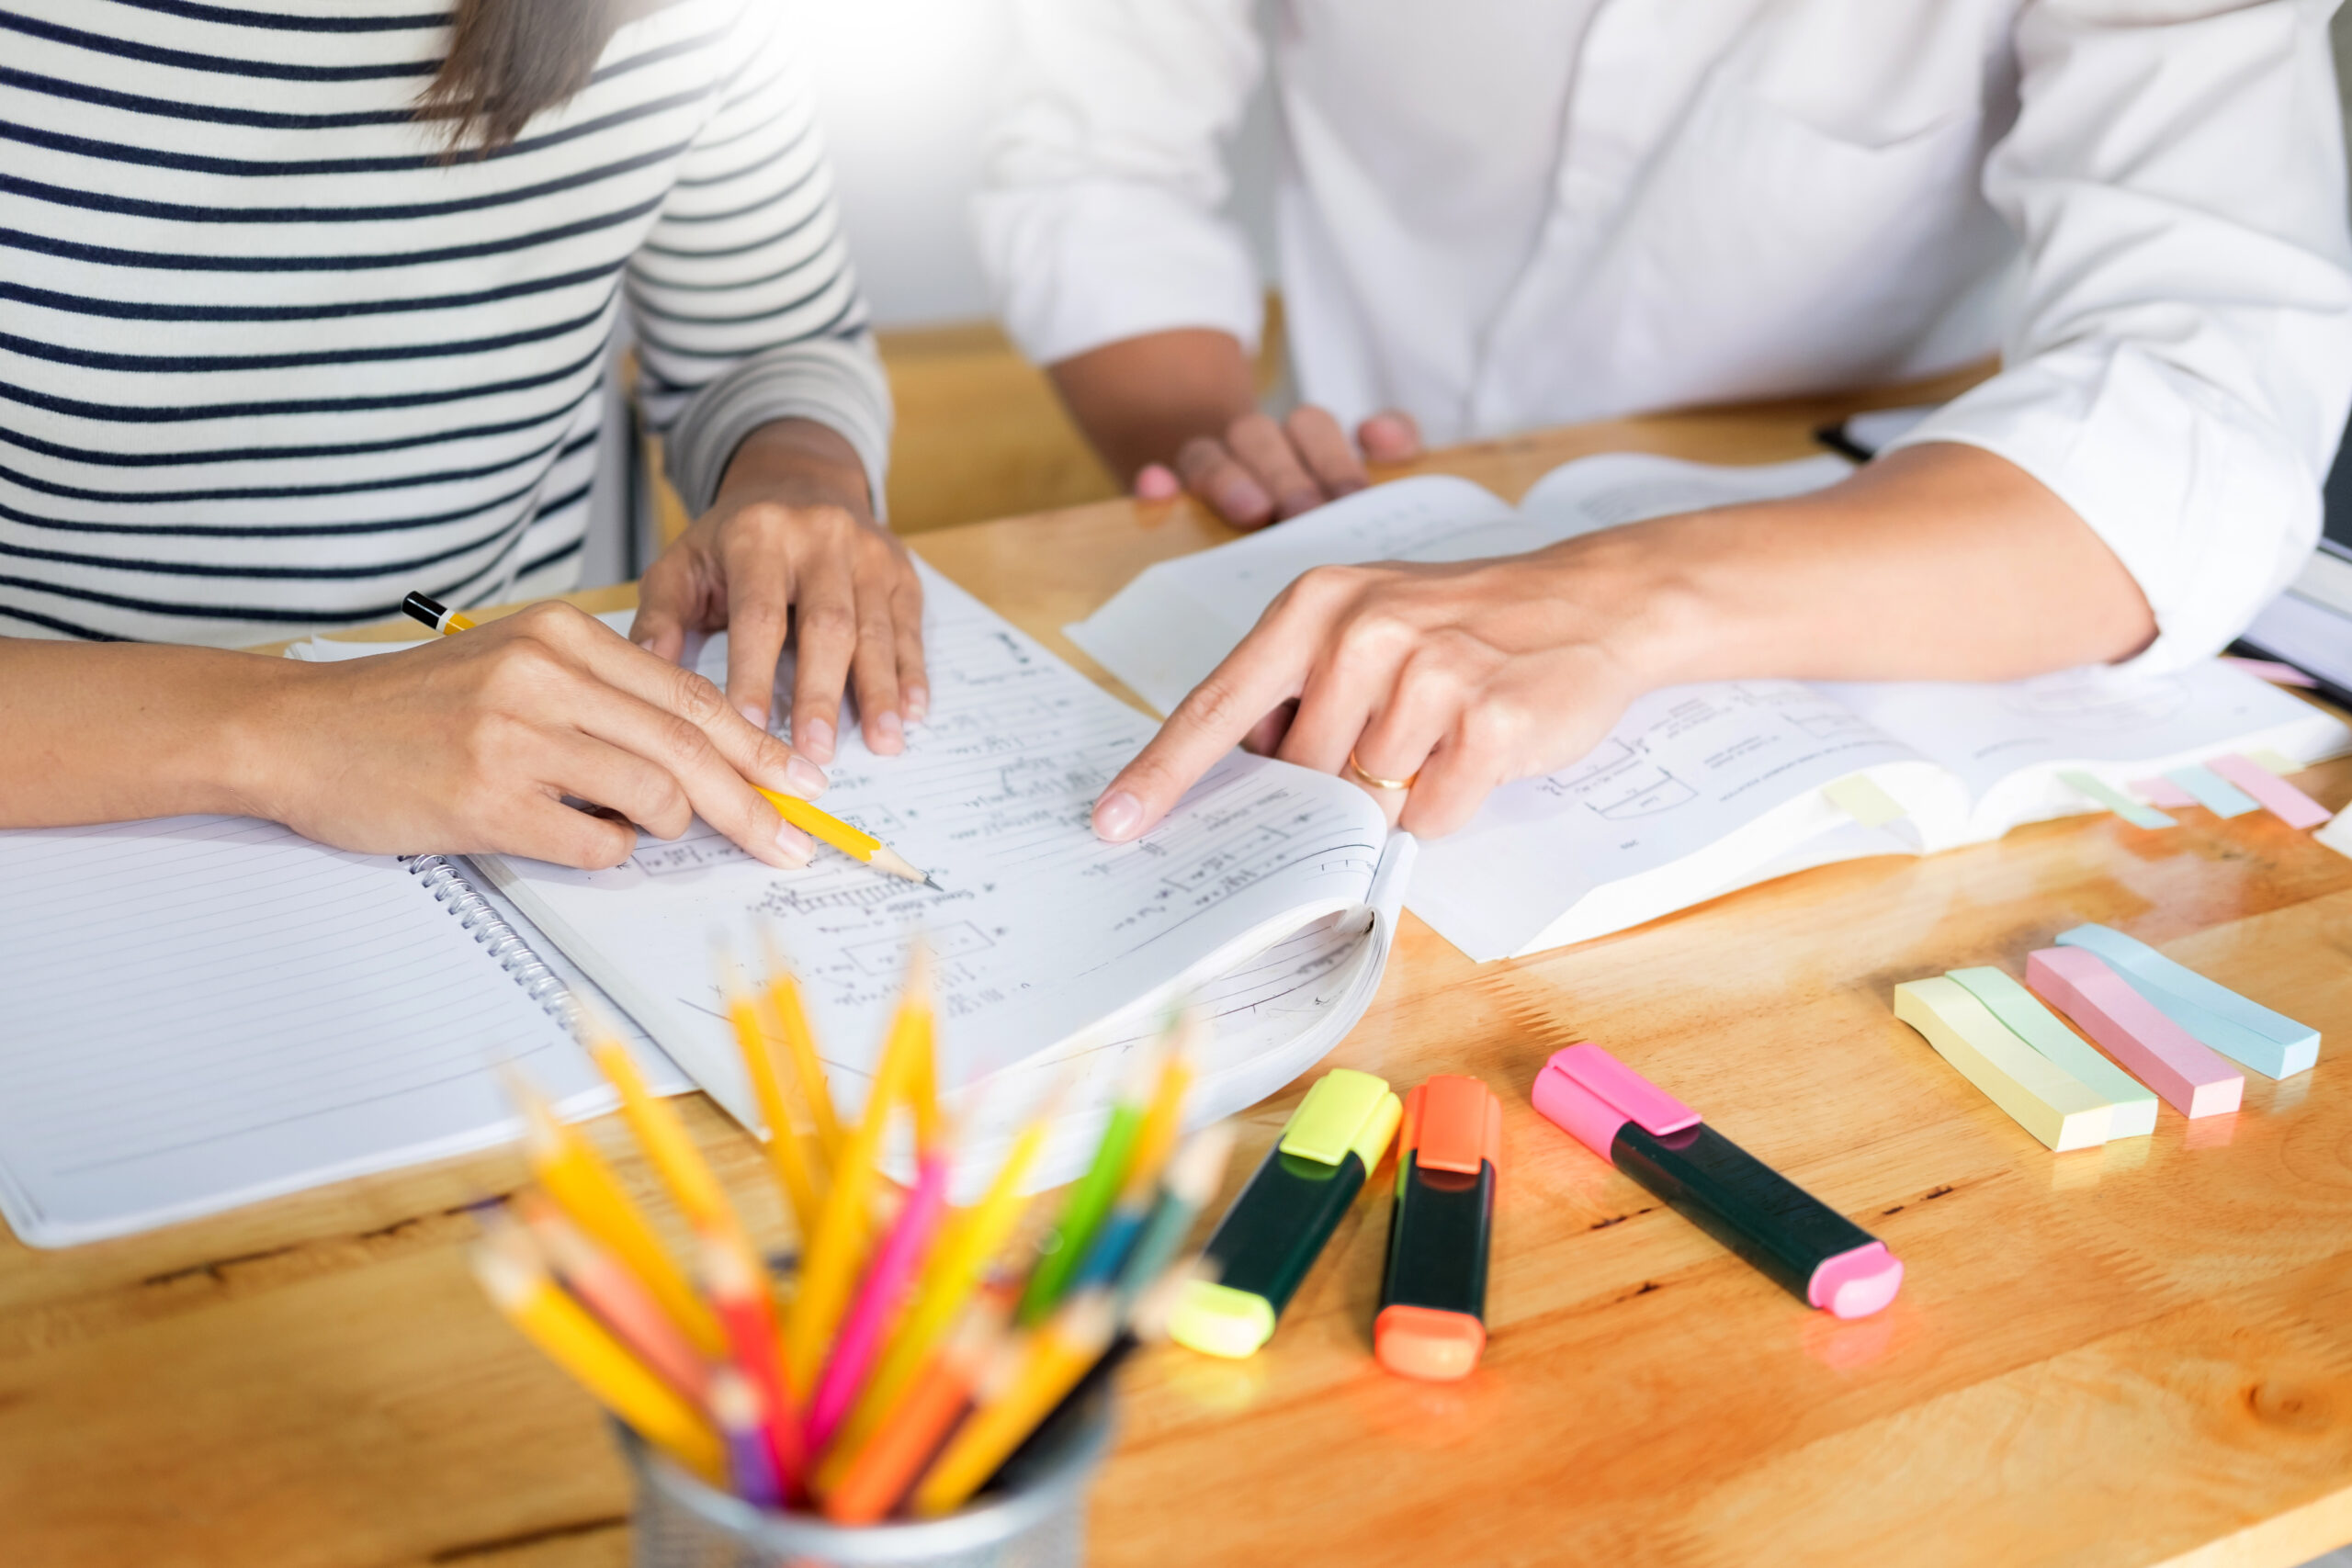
1057,1356
786,1154
1163,1117
792,808
573,1175
661,1133
792,1022
957,1264
829,1267
618,1380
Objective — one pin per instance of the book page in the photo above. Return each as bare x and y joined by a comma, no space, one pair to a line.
207,1011
2006,741
1692,789
1038,928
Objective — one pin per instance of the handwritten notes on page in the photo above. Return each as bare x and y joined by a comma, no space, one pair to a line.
1040,931
206,1010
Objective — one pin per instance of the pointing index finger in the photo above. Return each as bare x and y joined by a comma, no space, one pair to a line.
1267,669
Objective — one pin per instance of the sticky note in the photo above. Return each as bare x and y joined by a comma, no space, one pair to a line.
2158,1052
2131,1110
2276,761
2337,835
2123,805
2213,791
2162,792
1860,798
2243,1031
2039,1095
2278,797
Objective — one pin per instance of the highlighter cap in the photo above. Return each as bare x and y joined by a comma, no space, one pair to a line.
1217,1320
1591,1094
1346,1112
1422,1342
1452,1122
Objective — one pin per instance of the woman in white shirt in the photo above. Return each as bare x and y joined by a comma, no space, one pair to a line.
1498,214
306,303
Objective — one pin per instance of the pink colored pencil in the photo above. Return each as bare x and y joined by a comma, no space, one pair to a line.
880,1299
605,1283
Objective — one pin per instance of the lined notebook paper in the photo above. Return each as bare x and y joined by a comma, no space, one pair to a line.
201,1011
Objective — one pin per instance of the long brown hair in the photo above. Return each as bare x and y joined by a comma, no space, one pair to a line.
510,59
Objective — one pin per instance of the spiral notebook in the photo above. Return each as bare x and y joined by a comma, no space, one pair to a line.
205,1010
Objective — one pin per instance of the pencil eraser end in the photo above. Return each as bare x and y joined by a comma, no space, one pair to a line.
1856,1283
1217,1320
1422,1342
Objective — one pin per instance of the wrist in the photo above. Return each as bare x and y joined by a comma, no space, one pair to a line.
800,463
1659,620
237,743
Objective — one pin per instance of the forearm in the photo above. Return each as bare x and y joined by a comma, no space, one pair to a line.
116,732
1937,562
1140,400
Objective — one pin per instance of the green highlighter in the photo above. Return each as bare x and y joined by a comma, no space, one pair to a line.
1276,1229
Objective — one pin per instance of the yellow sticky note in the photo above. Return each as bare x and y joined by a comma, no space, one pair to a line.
1860,798
2276,761
2039,1095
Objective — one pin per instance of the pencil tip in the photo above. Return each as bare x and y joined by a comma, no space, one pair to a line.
933,883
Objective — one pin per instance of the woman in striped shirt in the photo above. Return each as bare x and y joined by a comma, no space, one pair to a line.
305,303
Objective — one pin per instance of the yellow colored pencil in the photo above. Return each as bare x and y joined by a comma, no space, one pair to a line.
857,845
576,1178
661,1133
1057,1356
522,1290
791,1020
1163,1118
829,1267
957,1265
787,1156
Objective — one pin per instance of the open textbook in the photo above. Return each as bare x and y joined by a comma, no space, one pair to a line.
1269,893
1700,789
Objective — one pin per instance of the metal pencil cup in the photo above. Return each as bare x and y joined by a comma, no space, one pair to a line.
1037,1519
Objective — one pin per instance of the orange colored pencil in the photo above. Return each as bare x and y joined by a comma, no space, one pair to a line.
887,1466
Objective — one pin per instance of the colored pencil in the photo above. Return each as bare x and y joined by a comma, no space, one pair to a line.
739,1294
743,1423
1091,1197
829,1267
880,1298
968,1240
563,1328
1191,1181
1055,1358
787,1156
1155,1141
661,1133
881,1470
791,1020
615,1295
571,1173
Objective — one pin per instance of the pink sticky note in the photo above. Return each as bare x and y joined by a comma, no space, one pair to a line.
2164,1056
2163,792
2278,797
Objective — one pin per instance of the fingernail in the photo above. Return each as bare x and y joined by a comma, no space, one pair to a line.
1116,816
1156,481
889,734
804,778
756,715
1243,498
918,703
815,738
799,847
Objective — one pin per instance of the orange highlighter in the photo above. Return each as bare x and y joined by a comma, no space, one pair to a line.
1432,1321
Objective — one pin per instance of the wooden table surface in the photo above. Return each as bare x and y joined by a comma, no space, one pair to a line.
2131,1355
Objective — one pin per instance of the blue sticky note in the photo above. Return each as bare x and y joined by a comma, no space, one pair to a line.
2214,793
2245,1031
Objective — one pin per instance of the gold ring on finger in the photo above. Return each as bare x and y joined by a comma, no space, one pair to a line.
1357,768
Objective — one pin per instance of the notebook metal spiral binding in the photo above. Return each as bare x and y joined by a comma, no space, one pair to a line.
448,883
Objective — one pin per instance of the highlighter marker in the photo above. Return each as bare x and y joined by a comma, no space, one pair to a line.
1432,1321
1272,1236
1808,1249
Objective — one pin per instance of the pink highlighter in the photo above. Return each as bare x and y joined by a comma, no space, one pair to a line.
1808,1249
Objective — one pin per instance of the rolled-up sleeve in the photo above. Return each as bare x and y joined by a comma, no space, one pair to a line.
1098,217
2180,361
746,307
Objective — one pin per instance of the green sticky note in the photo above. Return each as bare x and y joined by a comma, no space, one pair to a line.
2122,804
1860,798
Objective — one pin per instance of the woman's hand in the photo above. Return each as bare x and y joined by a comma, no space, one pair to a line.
1450,679
472,742
791,544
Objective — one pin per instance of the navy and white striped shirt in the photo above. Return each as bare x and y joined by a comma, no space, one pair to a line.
269,358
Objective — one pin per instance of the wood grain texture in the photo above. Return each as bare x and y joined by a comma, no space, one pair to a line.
2130,1355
